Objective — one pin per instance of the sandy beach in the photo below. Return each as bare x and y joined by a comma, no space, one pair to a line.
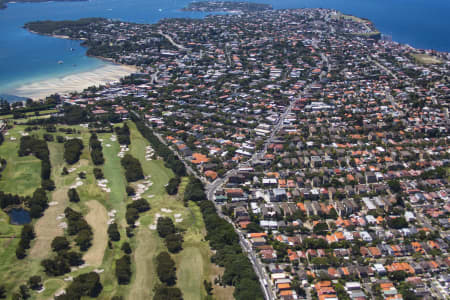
75,82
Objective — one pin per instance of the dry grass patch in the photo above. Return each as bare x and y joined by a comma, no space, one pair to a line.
220,292
148,246
97,218
47,228
426,59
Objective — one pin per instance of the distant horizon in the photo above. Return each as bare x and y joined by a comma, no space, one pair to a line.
30,57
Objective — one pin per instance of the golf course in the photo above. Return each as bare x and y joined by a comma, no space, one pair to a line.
101,203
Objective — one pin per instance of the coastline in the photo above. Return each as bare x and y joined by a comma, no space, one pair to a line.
76,82
73,82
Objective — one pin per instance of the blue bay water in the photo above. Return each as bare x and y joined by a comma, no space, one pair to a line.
27,57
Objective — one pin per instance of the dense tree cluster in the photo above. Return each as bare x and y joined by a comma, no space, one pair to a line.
73,195
165,268
7,200
238,269
123,269
194,190
133,210
72,150
26,236
171,160
74,114
60,243
167,293
133,168
123,134
65,258
172,186
87,284
37,203
165,226
96,150
173,239
77,225
39,148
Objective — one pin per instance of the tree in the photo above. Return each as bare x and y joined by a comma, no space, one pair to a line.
320,228
133,168
83,239
72,150
130,191
60,243
87,284
398,276
394,185
2,292
165,226
35,282
397,223
123,269
131,215
73,195
174,242
167,293
141,205
20,253
24,291
98,173
126,248
172,186
166,268
113,232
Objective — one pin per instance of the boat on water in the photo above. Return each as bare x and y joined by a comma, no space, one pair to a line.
72,49
60,62
160,10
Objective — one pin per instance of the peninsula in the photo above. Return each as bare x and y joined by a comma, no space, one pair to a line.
226,6
3,3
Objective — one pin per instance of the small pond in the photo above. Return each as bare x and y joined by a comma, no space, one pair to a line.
19,216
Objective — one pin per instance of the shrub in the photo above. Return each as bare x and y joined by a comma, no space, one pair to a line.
113,232
35,282
73,195
98,173
166,268
123,269
165,226
130,191
126,248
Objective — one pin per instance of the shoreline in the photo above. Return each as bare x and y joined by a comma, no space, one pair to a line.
76,82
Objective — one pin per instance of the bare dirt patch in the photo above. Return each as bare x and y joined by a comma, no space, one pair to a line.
220,292
97,218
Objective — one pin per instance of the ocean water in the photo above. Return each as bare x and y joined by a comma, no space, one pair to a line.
27,57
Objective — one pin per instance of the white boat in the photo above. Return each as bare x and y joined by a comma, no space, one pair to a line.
60,62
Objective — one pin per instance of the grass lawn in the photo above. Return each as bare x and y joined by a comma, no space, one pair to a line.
426,59
22,175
